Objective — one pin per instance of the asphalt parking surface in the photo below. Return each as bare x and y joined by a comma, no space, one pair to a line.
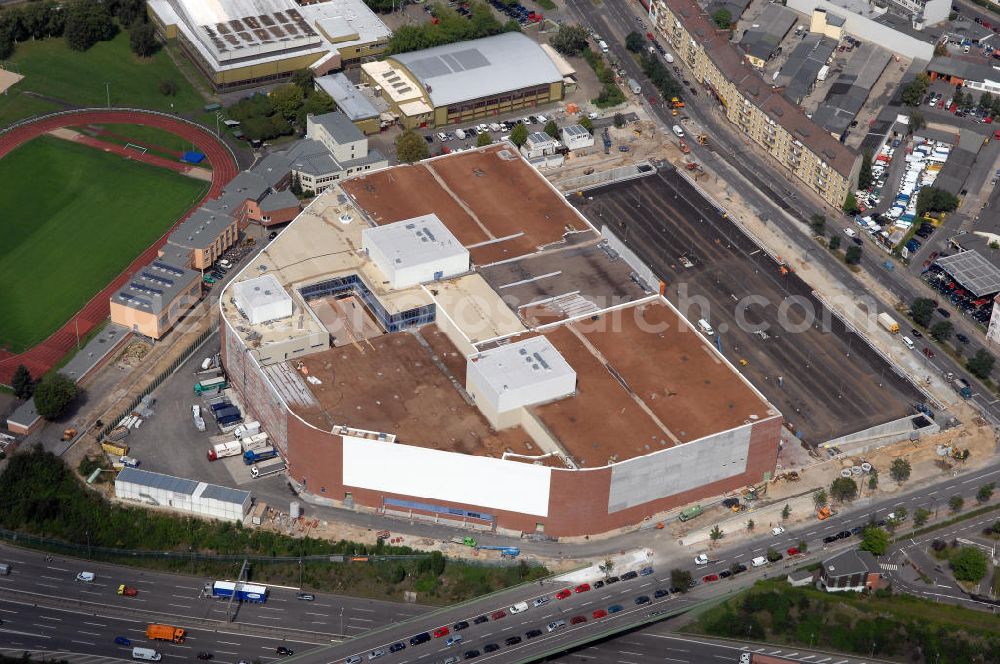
824,379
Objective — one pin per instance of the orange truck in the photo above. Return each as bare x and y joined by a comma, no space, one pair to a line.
165,633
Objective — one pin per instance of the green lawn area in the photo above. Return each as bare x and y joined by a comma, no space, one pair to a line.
50,68
65,241
16,106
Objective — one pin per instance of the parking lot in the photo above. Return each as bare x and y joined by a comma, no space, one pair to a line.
824,379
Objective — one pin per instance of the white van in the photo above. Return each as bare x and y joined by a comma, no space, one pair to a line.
678,131
4,569
759,561
147,654
442,137
705,327
86,577
519,607
603,46
460,134
908,342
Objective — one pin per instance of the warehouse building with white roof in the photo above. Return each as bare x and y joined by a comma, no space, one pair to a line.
467,80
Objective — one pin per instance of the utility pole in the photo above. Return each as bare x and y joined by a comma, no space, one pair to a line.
107,90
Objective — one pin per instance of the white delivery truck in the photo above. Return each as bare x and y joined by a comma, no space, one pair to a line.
147,654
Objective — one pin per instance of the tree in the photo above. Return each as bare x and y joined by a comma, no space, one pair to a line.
834,243
803,546
874,540
969,564
773,555
920,516
899,515
167,87
587,124
932,199
54,394
142,39
411,147
735,568
723,18
956,503
985,492
619,120
917,121
570,40
304,79
865,174
820,498
484,139
287,99
851,203
552,129
980,365
317,103
844,489
873,480
635,42
853,255
817,223
913,92
921,310
715,533
519,135
941,331
296,184
606,567
786,511
750,525
899,470
87,22
22,383
680,579
985,101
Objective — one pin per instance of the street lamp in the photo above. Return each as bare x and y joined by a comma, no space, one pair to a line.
342,621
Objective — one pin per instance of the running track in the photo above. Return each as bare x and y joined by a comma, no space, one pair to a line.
45,355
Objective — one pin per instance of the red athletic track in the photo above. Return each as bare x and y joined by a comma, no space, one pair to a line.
45,355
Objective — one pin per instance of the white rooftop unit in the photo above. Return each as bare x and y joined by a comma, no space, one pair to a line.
415,251
524,373
262,299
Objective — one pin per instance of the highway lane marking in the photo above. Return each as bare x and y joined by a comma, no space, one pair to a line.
671,659
313,613
180,606
58,569
12,631
182,596
185,588
95,624
54,578
365,610
361,619
629,652
270,608
47,585
86,643
45,626
91,592
89,633
625,661
8,611
229,643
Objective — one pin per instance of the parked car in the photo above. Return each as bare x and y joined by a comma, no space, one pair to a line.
962,338
479,620
915,333
441,631
709,578
642,599
615,608
661,592
599,613
944,312
284,651
628,576
564,593
396,647
497,615
532,633
576,620
512,640
582,588
460,625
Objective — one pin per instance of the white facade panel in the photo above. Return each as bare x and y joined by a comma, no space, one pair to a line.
678,469
447,476
182,495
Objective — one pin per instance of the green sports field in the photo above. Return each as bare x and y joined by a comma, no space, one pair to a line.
73,218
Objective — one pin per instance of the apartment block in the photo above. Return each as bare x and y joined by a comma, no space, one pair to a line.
761,112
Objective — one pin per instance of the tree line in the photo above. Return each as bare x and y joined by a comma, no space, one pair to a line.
283,111
449,27
82,23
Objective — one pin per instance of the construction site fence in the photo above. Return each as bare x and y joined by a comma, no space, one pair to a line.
76,549
153,384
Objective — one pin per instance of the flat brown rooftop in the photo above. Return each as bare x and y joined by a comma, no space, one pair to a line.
645,381
396,386
490,197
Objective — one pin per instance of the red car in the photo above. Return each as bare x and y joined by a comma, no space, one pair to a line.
563,594
650,37
928,352
497,615
792,551
709,578
440,631
576,620
583,587
599,613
